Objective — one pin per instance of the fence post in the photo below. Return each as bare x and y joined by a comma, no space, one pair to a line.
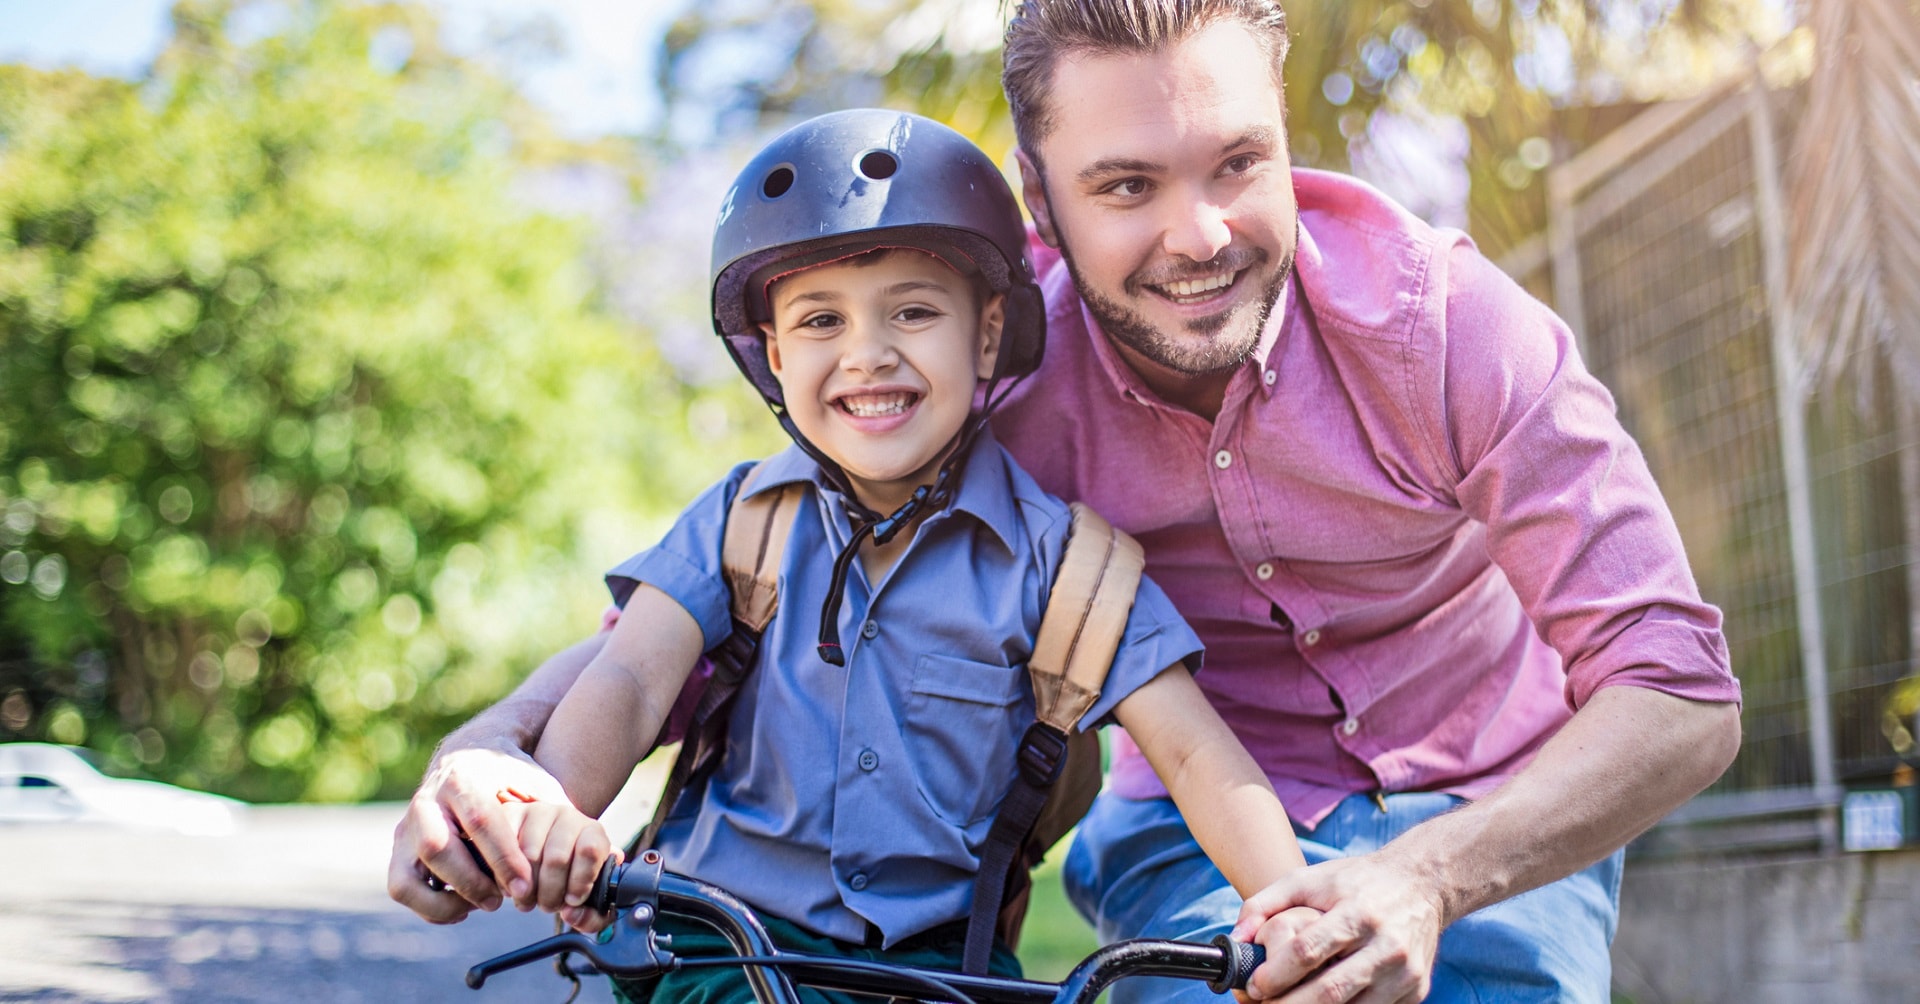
1790,380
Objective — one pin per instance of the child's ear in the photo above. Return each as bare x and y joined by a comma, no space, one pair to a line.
773,348
1033,189
993,323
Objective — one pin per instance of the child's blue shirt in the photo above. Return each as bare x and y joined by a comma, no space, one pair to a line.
861,794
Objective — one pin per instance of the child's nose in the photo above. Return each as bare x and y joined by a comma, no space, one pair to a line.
869,347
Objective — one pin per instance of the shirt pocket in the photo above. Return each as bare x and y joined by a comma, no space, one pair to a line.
963,722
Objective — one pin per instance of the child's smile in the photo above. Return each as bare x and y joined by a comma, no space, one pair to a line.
878,357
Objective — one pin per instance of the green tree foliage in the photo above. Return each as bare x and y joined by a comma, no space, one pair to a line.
302,411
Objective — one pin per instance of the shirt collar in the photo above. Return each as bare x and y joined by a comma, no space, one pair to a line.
986,490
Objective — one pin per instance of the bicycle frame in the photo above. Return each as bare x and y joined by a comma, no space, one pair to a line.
643,890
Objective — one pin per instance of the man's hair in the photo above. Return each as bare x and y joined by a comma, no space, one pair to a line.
1042,31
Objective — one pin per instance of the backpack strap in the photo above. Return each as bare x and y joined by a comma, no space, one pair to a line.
750,556
1080,630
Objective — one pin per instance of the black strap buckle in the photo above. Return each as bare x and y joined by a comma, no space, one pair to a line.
1043,752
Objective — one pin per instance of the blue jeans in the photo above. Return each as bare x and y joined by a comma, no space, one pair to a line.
1135,872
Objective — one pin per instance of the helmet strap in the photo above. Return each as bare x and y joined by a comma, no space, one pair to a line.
925,499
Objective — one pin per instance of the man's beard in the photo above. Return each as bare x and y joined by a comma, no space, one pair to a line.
1229,343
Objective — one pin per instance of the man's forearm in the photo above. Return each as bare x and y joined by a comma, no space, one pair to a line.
515,723
1623,762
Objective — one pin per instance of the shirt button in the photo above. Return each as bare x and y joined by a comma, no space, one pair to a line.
1311,637
869,629
1264,571
1269,376
1223,459
869,760
857,881
1350,726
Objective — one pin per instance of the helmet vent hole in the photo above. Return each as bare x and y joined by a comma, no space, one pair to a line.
778,181
879,165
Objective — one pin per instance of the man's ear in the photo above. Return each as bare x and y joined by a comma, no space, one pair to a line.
993,323
1033,189
773,348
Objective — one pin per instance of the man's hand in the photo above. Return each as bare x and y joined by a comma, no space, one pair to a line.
1374,941
1275,934
462,791
462,794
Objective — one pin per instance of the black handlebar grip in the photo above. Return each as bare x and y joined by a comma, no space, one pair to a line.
1238,961
606,886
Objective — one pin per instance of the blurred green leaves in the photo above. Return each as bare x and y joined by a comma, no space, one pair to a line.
301,406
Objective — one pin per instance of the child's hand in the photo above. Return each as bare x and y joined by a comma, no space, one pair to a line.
566,848
1274,933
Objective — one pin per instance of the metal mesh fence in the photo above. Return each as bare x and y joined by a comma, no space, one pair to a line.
1672,277
1677,328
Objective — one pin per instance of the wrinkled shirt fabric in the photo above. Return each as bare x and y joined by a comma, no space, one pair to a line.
862,794
1415,539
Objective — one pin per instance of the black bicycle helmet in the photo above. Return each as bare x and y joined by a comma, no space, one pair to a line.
849,182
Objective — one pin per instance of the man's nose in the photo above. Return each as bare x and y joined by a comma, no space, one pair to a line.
1198,231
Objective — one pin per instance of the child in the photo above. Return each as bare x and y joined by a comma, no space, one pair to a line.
870,280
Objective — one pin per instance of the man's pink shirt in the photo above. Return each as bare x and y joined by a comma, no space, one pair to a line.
1417,536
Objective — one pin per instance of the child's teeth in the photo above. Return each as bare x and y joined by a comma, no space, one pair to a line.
876,405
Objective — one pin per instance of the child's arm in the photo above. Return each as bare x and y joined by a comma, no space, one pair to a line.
1223,795
602,727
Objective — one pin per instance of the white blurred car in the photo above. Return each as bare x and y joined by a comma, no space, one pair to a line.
44,783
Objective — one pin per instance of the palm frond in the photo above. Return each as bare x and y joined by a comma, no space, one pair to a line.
1856,193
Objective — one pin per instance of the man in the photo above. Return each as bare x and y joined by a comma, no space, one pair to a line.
1444,604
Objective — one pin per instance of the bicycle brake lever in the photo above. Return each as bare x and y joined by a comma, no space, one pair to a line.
572,941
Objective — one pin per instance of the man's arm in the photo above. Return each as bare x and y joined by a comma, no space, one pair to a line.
473,768
1624,761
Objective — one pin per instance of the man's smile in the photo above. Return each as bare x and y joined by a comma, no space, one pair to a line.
1184,292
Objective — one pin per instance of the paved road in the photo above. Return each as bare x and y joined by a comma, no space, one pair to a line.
291,908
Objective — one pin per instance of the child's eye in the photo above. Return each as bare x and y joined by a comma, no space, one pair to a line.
911,314
819,321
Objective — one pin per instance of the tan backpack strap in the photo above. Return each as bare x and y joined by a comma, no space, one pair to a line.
757,531
1086,617
1059,767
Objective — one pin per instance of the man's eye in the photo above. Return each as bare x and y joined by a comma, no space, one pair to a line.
1131,188
1240,164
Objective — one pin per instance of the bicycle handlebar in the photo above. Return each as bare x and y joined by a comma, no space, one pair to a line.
641,890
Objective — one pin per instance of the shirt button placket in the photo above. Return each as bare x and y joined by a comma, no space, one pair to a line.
869,760
857,881
869,629
1263,571
1223,459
